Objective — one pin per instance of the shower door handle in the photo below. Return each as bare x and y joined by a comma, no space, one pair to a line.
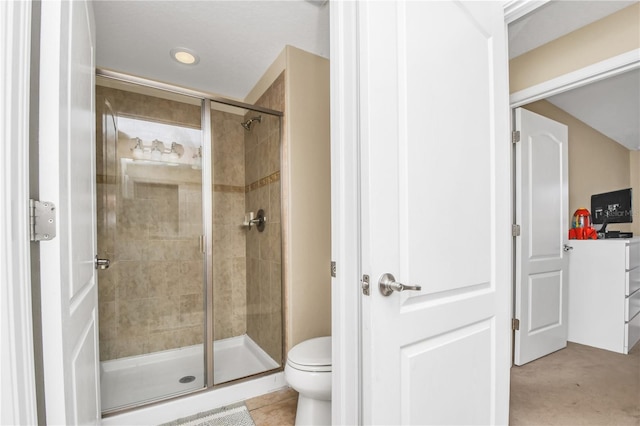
102,263
387,285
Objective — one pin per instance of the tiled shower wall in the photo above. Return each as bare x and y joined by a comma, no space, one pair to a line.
151,298
229,237
263,249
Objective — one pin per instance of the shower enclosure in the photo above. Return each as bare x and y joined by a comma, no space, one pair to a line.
188,209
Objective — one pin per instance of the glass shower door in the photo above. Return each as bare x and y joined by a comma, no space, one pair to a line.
151,299
247,278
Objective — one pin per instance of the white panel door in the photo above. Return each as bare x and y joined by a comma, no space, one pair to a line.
67,178
542,212
435,212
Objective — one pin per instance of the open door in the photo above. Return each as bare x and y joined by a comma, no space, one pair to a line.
435,209
541,287
67,178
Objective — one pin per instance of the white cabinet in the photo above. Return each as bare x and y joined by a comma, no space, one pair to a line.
604,293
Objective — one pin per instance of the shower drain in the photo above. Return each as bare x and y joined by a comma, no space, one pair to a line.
187,379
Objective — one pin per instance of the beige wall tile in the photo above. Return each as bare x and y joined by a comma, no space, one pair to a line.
161,341
164,313
162,278
132,283
191,277
275,202
191,310
228,241
228,208
130,346
258,199
129,249
107,283
271,246
262,151
227,173
151,297
133,318
188,336
108,349
108,325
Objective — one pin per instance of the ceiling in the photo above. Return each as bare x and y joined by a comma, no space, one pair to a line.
612,106
237,40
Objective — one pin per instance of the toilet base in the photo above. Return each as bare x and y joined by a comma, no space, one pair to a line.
313,412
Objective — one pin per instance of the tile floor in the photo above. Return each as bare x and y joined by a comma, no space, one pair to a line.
274,409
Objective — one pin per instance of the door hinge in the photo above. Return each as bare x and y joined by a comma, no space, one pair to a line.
42,220
333,268
515,230
201,242
515,136
365,284
515,324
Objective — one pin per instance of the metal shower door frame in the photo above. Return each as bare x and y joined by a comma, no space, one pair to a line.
207,200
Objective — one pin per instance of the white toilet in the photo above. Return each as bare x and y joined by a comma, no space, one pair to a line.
308,371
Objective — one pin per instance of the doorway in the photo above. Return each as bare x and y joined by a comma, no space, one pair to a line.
609,68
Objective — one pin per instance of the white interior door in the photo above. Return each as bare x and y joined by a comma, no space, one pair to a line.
435,212
541,287
67,178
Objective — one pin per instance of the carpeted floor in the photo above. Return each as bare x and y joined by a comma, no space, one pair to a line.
579,385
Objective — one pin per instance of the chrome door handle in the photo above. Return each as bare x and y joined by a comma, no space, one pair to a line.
567,247
102,263
387,285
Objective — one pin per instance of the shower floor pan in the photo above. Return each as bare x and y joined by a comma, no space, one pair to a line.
134,380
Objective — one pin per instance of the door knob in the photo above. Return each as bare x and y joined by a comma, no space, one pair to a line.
387,285
102,263
567,247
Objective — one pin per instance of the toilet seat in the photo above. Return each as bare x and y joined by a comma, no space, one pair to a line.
309,368
313,355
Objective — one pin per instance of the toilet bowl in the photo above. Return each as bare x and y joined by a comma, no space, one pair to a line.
308,371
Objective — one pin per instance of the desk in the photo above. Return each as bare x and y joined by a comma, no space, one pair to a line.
604,293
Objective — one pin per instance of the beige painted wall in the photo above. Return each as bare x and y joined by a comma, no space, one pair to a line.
596,163
606,38
309,196
306,175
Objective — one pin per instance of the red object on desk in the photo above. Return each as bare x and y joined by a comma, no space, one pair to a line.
583,234
581,226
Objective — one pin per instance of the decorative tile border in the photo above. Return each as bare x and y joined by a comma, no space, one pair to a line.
228,188
274,177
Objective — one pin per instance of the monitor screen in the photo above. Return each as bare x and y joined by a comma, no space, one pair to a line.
613,206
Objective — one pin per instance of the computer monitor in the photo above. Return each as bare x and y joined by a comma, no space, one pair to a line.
612,207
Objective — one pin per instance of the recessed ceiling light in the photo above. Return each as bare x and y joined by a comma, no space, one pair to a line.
185,56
